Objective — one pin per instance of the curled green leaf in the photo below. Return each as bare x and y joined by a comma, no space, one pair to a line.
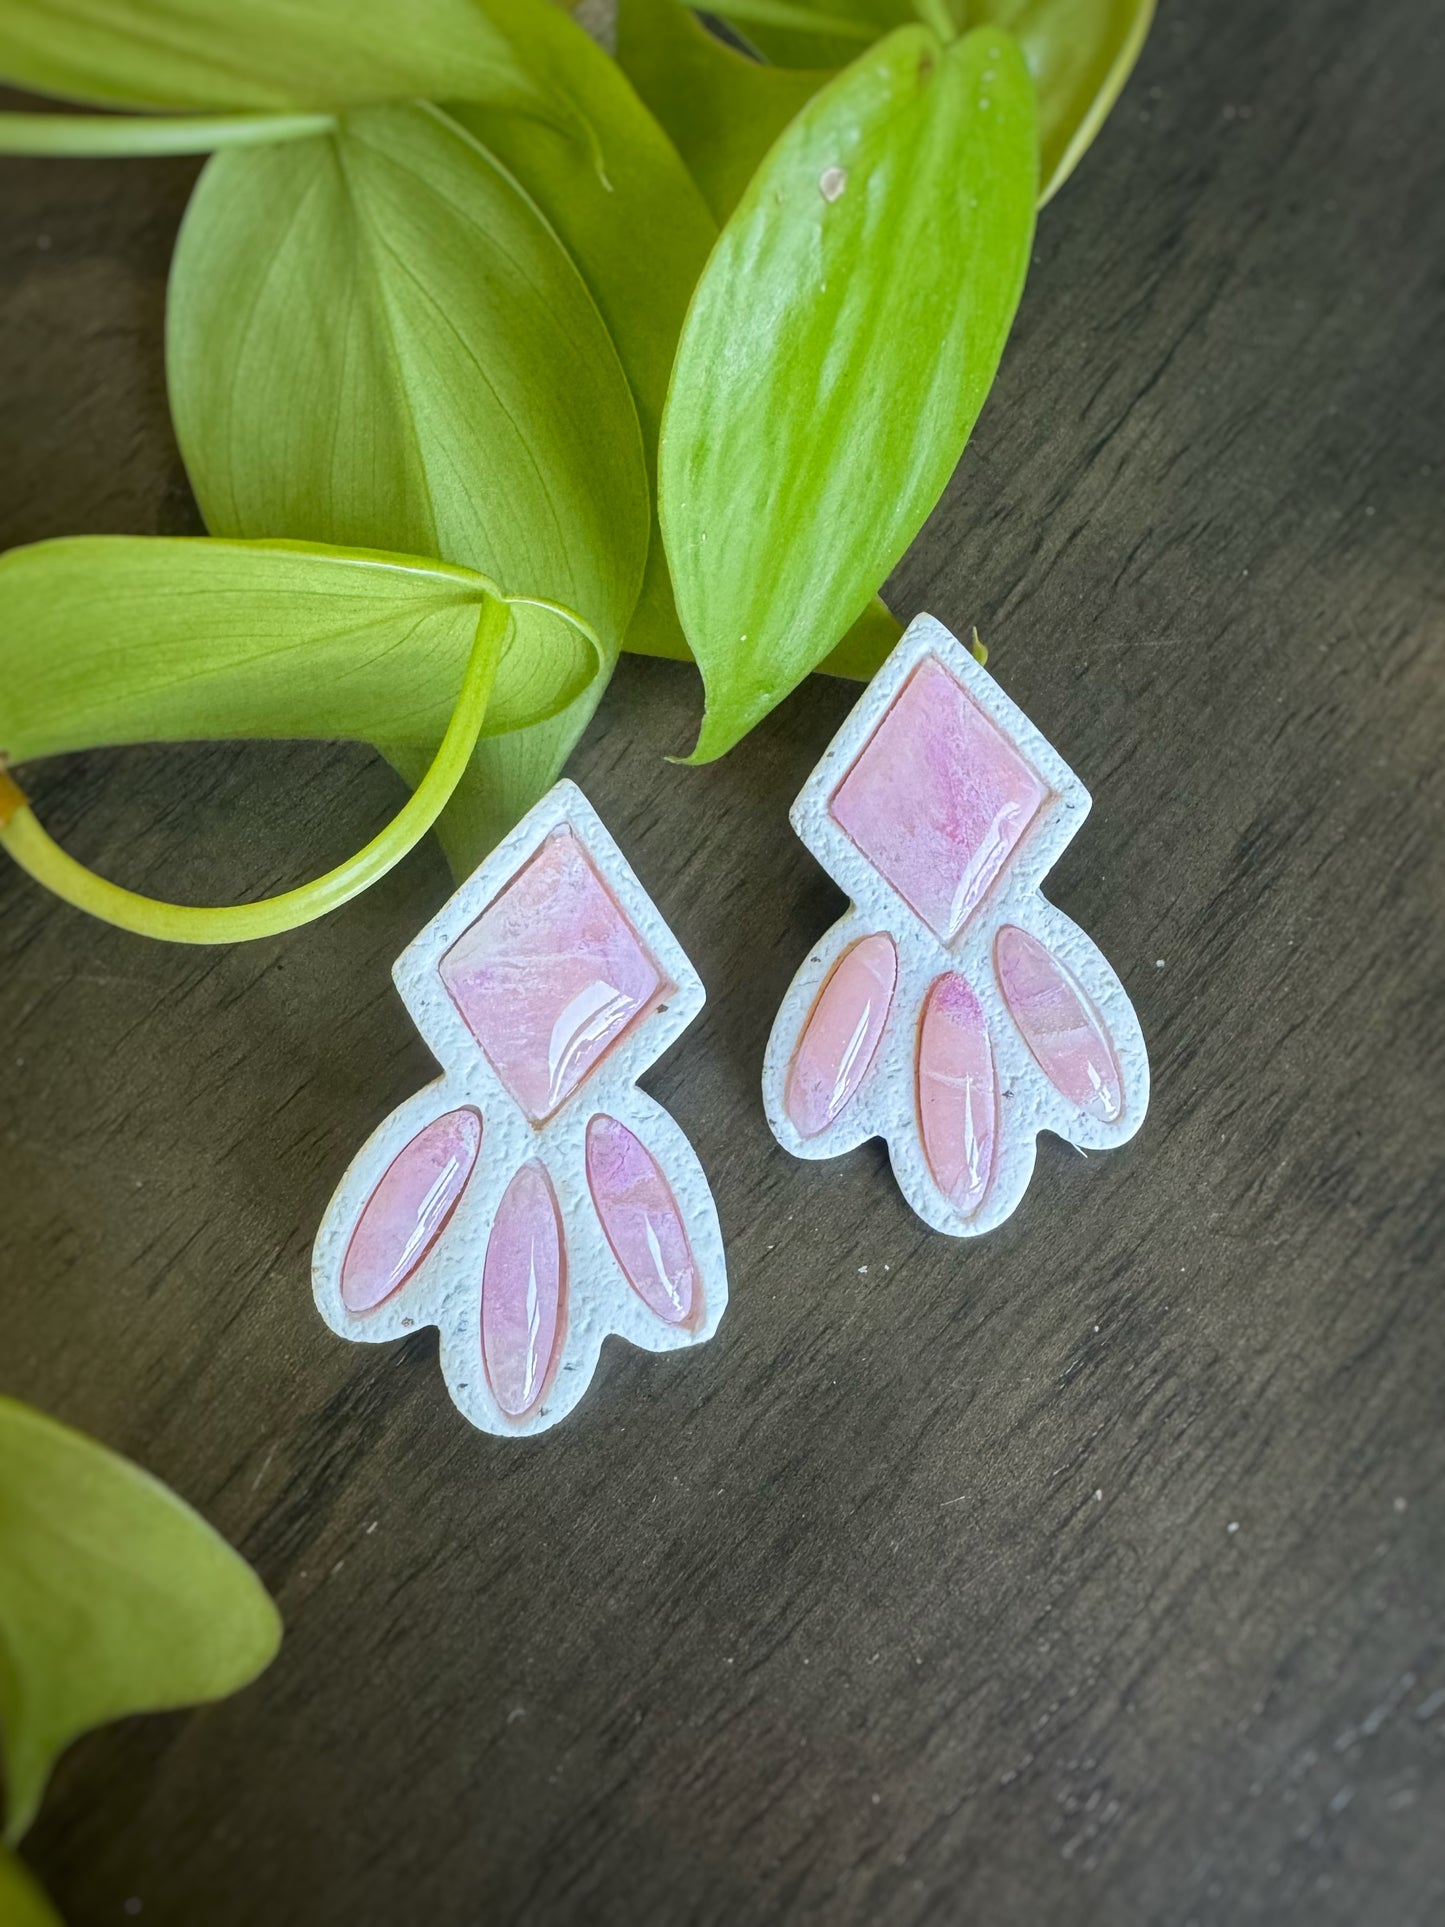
119,639
840,345
115,1598
109,639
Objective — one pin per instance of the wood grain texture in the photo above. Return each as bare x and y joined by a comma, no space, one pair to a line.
1094,1573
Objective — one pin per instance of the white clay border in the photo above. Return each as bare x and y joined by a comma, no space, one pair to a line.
885,1105
445,1289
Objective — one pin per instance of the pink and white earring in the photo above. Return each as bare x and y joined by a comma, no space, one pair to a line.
532,1200
953,1010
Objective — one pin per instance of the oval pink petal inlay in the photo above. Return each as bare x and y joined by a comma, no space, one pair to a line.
841,1035
957,1093
522,1286
409,1209
640,1217
1059,1024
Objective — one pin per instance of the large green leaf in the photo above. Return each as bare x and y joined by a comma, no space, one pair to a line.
376,339
639,237
115,1598
120,639
163,639
722,109
623,204
839,347
22,1904
223,54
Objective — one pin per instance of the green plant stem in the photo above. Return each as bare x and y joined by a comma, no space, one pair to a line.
80,135
37,853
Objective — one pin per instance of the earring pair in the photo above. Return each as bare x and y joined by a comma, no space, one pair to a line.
532,1200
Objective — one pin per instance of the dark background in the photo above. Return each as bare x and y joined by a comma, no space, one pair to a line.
1089,1573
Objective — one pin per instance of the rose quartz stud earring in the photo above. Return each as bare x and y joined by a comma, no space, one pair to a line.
953,1010
532,1200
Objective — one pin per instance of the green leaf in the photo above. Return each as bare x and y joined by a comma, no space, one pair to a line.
217,55
26,840
377,340
840,345
374,339
22,1904
1080,53
115,1598
790,49
503,783
866,646
639,238
640,241
793,18
109,639
722,109
825,51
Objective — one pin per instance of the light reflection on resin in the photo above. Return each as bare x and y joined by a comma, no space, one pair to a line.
409,1209
640,1217
550,976
957,1093
939,798
841,1035
1058,1023
523,1282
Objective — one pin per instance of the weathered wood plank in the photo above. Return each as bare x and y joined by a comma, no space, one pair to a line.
1092,1573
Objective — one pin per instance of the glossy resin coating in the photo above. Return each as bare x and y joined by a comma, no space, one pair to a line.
533,1200
953,1010
640,1216
939,798
550,976
409,1209
957,1093
836,1049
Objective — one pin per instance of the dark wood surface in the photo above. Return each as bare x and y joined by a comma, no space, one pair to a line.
1094,1572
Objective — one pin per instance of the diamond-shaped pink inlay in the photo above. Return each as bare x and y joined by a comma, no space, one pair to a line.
550,975
939,798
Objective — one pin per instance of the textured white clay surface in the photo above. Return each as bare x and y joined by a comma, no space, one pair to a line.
483,1205
953,1010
